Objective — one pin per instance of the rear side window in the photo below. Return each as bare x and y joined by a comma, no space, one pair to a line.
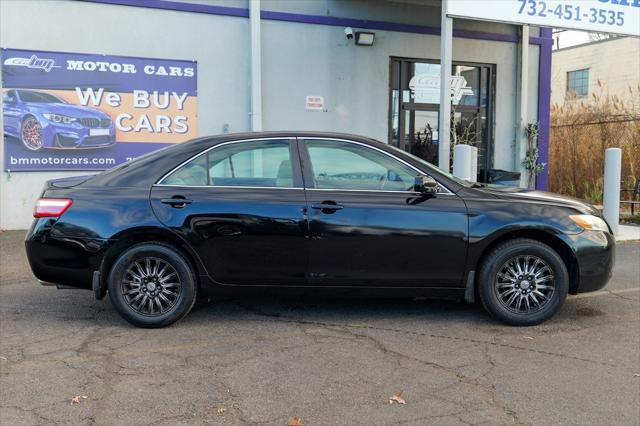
250,164
194,173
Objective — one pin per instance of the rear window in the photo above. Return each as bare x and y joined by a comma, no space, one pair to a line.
249,164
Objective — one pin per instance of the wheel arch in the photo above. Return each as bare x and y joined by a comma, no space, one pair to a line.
544,236
26,115
131,237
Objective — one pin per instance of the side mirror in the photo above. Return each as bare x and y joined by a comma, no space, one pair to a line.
425,184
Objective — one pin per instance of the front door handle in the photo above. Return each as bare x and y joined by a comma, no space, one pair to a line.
330,206
176,201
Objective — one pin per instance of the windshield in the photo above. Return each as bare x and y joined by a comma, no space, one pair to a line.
430,166
28,96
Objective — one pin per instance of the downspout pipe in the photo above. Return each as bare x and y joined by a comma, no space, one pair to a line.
256,66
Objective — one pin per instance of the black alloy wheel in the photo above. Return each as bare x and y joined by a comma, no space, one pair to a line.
152,285
523,282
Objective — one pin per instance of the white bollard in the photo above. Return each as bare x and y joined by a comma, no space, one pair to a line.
611,199
465,162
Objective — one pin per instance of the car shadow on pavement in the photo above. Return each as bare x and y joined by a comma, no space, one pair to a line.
339,308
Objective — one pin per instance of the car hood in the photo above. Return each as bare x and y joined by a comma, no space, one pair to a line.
74,111
521,194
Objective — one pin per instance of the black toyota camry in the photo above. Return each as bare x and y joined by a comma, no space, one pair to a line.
320,213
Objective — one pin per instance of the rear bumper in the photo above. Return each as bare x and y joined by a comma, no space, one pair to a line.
595,254
56,259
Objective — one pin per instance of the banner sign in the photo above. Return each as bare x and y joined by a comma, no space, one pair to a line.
70,111
605,16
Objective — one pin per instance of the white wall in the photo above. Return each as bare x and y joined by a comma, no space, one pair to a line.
216,42
298,60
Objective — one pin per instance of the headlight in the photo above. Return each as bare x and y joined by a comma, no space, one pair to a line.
57,118
590,222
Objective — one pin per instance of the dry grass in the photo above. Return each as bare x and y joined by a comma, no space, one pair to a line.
581,131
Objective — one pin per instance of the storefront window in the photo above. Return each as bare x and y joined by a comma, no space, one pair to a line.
415,101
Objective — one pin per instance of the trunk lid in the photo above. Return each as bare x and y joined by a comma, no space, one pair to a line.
68,182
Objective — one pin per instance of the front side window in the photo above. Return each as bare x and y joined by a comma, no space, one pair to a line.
249,164
578,83
343,165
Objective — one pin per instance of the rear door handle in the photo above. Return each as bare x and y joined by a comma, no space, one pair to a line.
176,201
327,206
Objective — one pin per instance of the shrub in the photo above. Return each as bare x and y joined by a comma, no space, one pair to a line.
581,131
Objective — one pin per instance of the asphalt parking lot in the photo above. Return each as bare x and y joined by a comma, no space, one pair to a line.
328,362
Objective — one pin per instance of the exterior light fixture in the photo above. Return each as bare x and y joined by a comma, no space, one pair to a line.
364,38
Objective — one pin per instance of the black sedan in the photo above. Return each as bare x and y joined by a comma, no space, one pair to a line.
312,212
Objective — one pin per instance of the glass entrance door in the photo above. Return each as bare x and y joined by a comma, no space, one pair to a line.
415,102
419,133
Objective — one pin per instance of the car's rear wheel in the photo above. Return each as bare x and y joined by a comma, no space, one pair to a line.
523,282
152,285
31,134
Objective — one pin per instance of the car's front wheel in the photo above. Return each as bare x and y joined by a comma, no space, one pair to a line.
523,282
31,134
152,285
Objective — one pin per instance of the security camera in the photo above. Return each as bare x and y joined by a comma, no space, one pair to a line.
348,32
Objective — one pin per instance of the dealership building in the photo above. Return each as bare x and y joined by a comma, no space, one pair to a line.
357,66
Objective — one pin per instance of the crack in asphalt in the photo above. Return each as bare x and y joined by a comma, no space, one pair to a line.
488,392
288,319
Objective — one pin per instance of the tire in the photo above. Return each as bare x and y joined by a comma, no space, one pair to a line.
157,274
523,271
31,134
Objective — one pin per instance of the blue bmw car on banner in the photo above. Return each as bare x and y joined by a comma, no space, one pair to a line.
41,120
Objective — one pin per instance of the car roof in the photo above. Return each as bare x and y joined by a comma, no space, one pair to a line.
216,139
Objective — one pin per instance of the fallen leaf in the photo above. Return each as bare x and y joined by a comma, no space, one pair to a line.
221,410
397,398
76,399
294,421
636,375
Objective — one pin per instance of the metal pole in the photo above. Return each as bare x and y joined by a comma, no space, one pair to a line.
446,62
611,200
256,66
523,95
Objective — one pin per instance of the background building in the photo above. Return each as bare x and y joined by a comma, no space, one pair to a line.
576,70
312,76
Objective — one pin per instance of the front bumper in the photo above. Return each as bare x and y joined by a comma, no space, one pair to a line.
76,136
594,252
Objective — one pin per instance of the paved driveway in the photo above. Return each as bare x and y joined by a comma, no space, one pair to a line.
327,362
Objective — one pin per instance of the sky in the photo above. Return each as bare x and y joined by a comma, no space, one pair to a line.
569,38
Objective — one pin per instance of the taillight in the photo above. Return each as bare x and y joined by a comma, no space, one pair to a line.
51,207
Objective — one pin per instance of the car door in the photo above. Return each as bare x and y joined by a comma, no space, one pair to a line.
369,228
241,206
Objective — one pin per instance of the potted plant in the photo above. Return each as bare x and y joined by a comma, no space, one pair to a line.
530,161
